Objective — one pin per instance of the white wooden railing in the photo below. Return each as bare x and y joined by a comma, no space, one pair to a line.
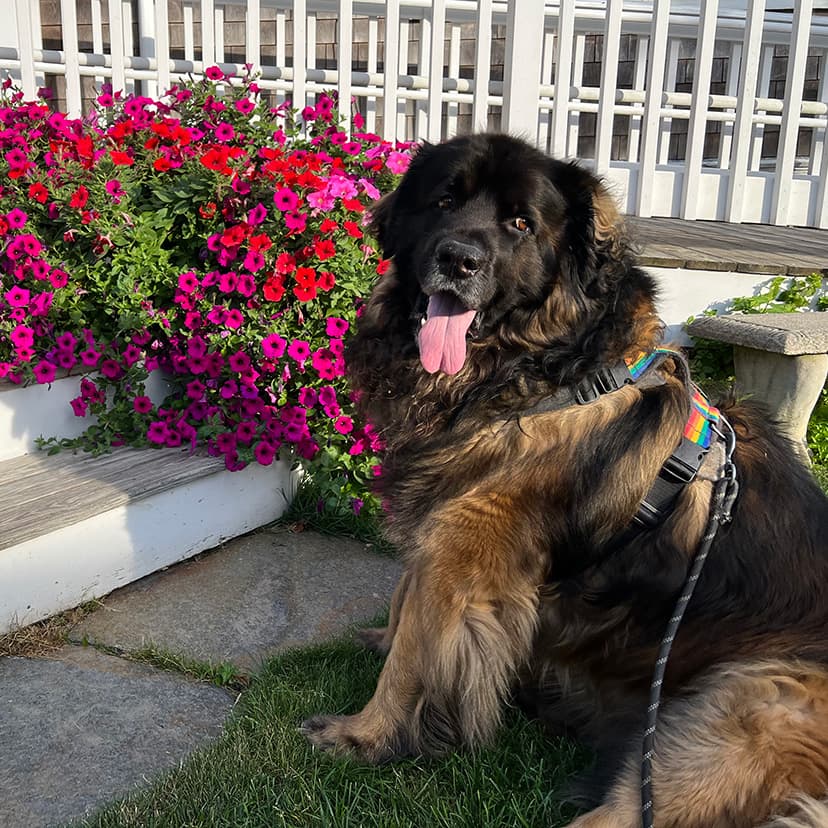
703,111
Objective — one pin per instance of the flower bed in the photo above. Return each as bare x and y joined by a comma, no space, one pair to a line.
207,235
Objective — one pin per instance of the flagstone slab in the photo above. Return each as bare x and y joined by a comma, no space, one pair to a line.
82,727
252,598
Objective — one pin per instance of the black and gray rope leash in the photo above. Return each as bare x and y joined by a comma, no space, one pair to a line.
725,491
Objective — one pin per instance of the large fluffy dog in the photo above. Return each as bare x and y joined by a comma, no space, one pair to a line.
511,279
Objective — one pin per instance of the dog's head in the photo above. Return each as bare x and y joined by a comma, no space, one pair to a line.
487,232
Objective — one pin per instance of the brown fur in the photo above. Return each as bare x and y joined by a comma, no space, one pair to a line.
514,580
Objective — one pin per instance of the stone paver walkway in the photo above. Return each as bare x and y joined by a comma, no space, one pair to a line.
81,727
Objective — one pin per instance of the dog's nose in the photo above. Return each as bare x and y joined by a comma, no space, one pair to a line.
459,258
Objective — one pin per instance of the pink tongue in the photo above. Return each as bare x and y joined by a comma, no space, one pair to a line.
443,337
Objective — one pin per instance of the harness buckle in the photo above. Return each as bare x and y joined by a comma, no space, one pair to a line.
603,381
614,377
685,461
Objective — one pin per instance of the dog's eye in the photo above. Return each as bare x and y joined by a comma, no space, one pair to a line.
445,202
521,224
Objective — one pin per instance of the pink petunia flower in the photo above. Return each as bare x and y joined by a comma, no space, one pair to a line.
299,350
143,405
44,372
273,346
334,326
18,297
286,200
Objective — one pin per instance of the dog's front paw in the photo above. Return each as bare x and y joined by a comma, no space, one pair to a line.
348,736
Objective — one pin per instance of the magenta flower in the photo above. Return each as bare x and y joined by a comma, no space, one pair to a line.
66,359
66,341
58,279
225,132
246,285
110,369
307,397
90,357
226,442
344,424
187,282
195,389
327,395
22,337
254,261
79,407
264,453
245,432
257,215
239,361
296,222
17,297
286,200
31,246
16,218
214,73
334,326
234,318
142,405
115,189
157,432
197,364
229,389
40,269
299,350
273,346
44,372
131,355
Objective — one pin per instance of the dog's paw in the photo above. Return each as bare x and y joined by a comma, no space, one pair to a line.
347,736
374,639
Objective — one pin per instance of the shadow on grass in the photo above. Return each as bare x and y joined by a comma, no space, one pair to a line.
263,773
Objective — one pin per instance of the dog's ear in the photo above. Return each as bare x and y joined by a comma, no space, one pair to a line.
380,225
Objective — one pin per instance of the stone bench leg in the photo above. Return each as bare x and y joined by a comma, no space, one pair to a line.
789,385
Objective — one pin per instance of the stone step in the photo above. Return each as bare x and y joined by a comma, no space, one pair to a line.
75,527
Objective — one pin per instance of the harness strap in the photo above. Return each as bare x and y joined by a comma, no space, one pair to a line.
682,465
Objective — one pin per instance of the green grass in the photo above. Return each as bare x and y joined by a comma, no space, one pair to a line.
263,773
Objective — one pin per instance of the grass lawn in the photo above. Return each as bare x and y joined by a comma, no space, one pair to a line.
263,773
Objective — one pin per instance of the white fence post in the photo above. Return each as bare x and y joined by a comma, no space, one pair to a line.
698,110
24,48
344,51
69,27
609,80
391,60
521,72
252,35
743,125
651,122
789,133
482,66
435,71
563,77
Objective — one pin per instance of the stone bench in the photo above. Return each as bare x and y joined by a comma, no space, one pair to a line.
780,358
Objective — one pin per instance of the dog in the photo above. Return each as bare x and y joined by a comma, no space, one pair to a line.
512,281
